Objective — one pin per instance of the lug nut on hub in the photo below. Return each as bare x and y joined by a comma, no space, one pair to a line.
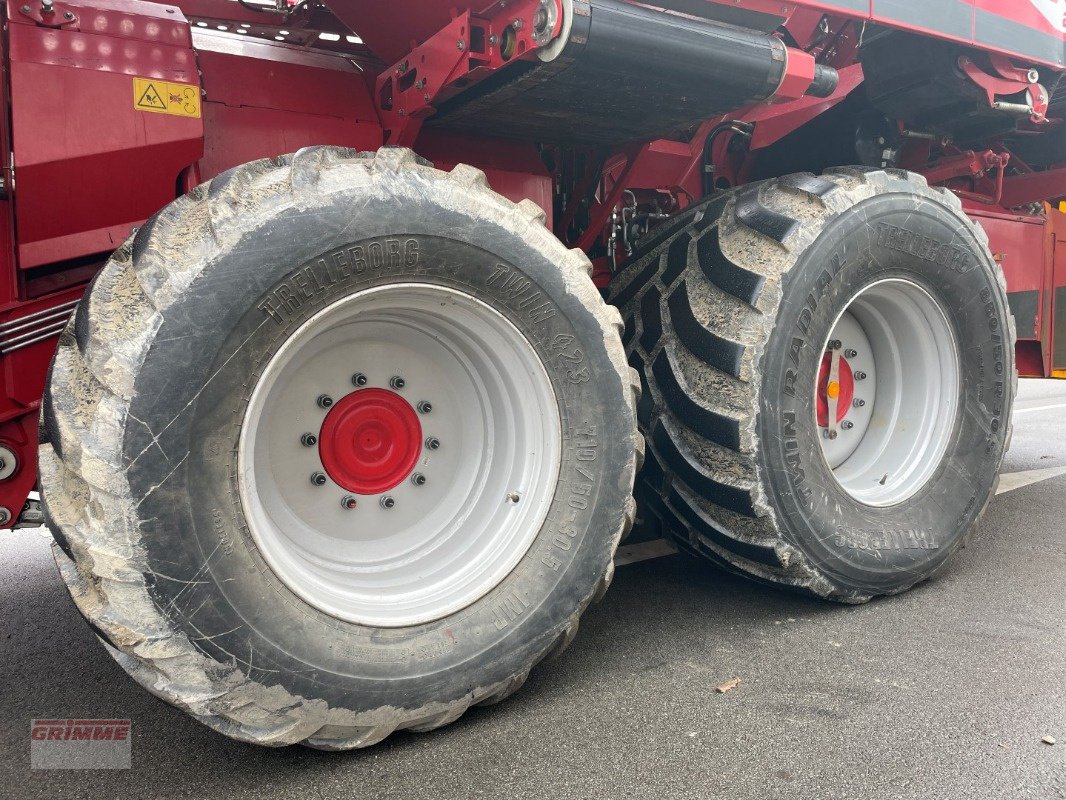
324,401
348,502
318,479
424,407
359,379
847,424
432,443
396,382
860,375
308,440
418,479
834,344
858,402
387,502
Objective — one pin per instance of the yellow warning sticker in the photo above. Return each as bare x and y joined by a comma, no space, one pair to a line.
163,97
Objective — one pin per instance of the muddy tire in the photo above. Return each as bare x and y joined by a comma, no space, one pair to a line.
338,444
829,376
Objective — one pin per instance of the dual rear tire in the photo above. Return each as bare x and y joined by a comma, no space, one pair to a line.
339,444
829,379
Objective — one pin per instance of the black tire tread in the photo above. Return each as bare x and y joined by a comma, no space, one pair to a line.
86,495
695,328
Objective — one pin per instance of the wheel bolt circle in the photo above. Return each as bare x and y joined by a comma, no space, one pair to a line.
348,502
387,502
418,479
359,379
308,440
318,479
324,401
424,407
396,382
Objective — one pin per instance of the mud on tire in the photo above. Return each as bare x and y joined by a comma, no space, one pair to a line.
141,429
728,314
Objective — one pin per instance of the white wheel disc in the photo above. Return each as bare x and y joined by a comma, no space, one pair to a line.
891,373
399,455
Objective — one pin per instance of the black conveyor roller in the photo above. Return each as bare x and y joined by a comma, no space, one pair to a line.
624,73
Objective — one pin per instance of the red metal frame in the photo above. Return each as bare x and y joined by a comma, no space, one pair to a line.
1024,246
363,74
466,50
1057,289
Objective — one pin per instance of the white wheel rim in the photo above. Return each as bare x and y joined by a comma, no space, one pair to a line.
443,544
890,435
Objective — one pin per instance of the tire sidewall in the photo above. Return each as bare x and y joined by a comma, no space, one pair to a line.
862,548
196,381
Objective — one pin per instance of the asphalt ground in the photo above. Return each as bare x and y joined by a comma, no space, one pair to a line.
945,692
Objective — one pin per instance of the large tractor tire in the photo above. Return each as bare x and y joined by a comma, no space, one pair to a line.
339,444
829,371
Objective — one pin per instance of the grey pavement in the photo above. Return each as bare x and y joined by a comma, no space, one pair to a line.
944,692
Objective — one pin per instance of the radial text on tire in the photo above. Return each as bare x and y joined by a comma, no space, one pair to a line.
829,379
339,444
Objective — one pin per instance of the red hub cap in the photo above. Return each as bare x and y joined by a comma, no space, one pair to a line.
845,390
370,441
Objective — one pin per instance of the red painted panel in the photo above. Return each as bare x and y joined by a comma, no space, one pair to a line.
1043,15
237,135
76,133
8,271
1024,247
1017,242
245,72
264,99
1058,282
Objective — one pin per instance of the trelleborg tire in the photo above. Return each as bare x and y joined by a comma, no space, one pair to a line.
338,444
867,293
